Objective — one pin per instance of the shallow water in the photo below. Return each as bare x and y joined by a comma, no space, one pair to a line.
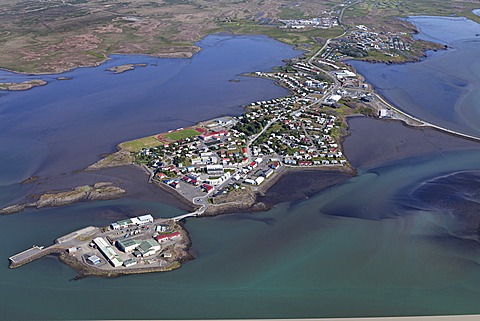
67,124
391,241
443,89
377,245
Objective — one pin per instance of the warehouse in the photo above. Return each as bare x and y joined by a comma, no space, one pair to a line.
127,245
134,221
147,248
166,237
108,251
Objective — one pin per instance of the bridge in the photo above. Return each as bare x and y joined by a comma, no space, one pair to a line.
197,213
181,217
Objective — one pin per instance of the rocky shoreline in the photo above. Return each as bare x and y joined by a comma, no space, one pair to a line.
119,158
99,191
283,188
123,68
179,253
182,255
26,85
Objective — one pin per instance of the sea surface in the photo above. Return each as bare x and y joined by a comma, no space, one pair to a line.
443,89
400,238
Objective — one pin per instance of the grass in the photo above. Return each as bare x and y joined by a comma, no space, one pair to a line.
374,12
181,134
288,36
152,141
138,144
291,14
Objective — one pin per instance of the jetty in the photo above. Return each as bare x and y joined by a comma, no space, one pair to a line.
32,254
134,245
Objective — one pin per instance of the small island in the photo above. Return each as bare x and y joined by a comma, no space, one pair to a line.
124,68
99,191
26,85
137,245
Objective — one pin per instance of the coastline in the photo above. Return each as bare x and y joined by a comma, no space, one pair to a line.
289,185
65,249
85,270
58,71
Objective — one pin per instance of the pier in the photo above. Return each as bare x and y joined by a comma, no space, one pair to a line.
33,253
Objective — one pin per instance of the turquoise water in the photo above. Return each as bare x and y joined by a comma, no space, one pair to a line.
399,239
354,250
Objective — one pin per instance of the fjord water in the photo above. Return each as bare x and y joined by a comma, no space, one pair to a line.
69,123
443,89
398,239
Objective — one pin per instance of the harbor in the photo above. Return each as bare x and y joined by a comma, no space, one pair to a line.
130,246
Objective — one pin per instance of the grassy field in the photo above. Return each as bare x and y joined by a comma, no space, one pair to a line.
138,144
381,13
289,36
180,134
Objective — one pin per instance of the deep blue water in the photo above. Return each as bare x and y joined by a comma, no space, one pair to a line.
398,239
67,124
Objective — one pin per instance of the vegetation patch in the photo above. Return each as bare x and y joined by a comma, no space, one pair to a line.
138,144
178,135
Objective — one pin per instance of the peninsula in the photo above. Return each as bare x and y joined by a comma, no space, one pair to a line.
221,165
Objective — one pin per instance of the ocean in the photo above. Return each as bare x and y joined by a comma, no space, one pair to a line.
400,238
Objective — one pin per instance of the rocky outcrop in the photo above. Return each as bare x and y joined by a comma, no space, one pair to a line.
123,68
99,191
120,158
23,85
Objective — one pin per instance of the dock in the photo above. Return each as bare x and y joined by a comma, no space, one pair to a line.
33,253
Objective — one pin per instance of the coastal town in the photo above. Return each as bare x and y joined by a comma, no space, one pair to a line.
220,165
214,161
230,154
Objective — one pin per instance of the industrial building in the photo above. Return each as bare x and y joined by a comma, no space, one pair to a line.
95,260
108,251
166,237
127,245
147,248
129,262
138,247
134,221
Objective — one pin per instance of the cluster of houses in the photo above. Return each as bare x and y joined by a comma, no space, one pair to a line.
362,40
294,84
312,146
299,135
320,22
367,40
